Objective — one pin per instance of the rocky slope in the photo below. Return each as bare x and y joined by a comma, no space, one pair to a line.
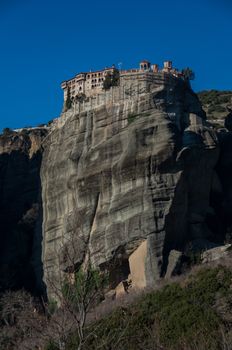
20,190
130,185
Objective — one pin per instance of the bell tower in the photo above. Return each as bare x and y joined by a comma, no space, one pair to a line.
145,65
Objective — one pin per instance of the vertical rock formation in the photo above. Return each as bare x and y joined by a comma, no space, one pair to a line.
128,183
20,210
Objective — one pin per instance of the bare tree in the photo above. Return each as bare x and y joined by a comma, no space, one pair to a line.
20,319
79,289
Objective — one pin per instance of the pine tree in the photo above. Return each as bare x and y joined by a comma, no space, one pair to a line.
68,102
115,78
107,81
111,80
188,74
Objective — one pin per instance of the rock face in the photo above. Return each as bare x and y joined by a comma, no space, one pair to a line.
128,184
223,199
20,210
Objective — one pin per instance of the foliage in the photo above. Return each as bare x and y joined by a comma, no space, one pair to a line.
51,346
216,108
131,117
216,103
86,287
175,317
188,74
115,78
82,295
68,102
107,82
111,80
209,97
7,131
180,316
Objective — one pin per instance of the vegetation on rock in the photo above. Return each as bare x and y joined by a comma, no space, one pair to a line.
131,117
111,80
215,104
194,313
7,131
68,103
188,74
179,316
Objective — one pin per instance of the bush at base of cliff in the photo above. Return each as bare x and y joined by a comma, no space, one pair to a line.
20,319
51,346
176,317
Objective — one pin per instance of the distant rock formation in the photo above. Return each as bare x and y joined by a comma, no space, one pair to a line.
20,210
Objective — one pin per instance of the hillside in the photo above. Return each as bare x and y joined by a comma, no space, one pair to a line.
192,314
215,105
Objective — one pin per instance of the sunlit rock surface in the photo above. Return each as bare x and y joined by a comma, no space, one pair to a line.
127,184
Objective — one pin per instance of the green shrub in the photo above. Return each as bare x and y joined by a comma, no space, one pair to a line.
88,286
51,346
215,97
7,131
216,108
176,315
111,80
131,117
188,73
225,99
68,102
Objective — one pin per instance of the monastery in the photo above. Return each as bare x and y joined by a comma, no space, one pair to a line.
92,83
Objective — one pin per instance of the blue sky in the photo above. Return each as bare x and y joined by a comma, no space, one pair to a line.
43,42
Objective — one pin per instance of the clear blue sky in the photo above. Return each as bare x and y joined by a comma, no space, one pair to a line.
43,42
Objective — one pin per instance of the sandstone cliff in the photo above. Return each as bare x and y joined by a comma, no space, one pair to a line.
130,184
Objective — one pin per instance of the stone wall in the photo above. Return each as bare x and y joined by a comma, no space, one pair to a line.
131,87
